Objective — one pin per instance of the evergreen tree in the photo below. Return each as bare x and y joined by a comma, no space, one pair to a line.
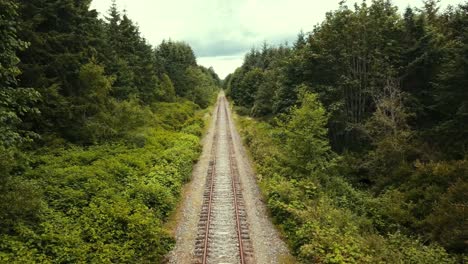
141,59
264,96
249,87
300,41
15,102
306,134
167,90
450,95
62,36
176,58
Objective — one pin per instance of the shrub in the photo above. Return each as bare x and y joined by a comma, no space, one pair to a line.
106,203
323,217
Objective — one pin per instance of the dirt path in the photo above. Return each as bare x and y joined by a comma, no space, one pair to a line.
223,151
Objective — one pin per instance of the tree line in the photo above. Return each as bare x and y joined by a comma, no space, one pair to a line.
98,132
64,66
394,90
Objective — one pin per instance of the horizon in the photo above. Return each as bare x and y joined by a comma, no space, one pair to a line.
242,25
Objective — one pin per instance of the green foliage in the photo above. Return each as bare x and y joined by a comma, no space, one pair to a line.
59,46
438,191
78,63
130,59
104,203
451,100
174,116
167,90
265,93
204,87
394,87
113,143
325,219
181,74
19,197
305,134
119,120
249,85
349,59
15,102
176,58
450,231
95,88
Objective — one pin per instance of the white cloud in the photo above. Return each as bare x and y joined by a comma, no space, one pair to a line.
223,64
220,31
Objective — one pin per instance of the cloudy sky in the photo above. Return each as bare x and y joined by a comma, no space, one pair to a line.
222,31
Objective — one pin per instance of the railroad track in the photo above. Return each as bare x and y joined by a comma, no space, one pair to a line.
223,232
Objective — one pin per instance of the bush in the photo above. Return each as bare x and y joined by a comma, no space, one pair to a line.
172,116
105,203
120,120
242,110
323,217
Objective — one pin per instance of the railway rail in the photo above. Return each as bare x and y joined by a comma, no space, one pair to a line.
223,231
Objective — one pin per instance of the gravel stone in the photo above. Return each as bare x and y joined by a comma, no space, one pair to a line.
264,238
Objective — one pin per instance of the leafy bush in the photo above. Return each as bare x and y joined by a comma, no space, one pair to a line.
323,217
104,203
120,120
174,115
438,190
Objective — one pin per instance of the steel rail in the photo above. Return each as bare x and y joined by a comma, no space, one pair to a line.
234,177
210,199
222,105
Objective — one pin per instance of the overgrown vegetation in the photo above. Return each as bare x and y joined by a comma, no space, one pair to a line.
98,132
361,147
324,218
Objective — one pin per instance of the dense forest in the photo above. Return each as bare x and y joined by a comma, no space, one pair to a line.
360,134
98,132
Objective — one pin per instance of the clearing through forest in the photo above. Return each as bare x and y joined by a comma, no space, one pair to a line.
222,218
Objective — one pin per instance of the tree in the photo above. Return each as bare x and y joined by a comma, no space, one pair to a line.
15,102
95,89
389,132
203,86
141,58
234,85
113,19
167,90
450,96
249,87
62,35
263,104
118,63
290,77
431,8
306,134
132,59
300,41
176,58
18,200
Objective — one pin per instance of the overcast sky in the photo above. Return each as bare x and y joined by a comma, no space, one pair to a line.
222,31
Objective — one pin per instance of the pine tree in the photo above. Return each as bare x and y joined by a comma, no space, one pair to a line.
15,102
176,58
300,41
450,84
63,36
167,90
